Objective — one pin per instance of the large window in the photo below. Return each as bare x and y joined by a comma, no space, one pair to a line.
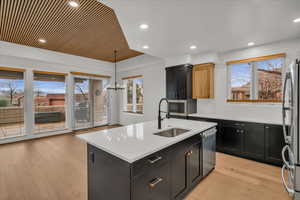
49,101
11,104
256,80
134,94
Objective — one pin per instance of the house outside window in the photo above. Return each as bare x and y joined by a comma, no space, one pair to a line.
133,97
256,80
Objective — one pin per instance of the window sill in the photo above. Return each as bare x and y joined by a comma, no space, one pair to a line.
135,113
253,101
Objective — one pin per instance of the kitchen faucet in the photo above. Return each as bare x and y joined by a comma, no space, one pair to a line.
159,112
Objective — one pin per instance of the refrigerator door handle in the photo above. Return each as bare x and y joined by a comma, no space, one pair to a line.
291,191
291,156
287,137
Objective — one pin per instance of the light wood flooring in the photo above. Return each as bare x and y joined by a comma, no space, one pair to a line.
54,168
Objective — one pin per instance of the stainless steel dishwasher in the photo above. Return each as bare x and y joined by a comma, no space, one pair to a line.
209,150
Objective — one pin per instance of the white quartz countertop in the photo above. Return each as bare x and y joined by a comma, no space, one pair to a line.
137,141
245,119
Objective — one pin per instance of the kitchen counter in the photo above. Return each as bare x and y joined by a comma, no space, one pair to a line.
245,119
133,142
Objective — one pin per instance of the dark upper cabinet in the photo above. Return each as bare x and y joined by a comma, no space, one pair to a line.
274,143
254,141
171,84
179,82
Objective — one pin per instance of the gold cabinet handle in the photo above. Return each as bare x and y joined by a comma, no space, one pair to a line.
154,182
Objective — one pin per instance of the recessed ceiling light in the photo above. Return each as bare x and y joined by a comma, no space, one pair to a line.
297,20
74,4
193,47
144,26
251,43
145,47
42,40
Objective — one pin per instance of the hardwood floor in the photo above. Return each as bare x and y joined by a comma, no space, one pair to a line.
54,168
240,179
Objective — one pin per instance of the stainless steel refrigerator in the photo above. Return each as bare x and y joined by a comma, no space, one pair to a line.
290,113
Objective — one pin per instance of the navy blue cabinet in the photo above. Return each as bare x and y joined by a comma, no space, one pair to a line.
230,137
168,174
274,143
186,167
256,141
179,82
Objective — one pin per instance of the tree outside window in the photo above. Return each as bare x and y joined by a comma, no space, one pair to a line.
134,95
257,81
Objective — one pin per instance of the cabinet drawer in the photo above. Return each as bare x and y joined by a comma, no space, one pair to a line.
149,163
236,124
153,185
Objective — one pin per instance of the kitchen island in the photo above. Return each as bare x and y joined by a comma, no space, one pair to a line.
141,162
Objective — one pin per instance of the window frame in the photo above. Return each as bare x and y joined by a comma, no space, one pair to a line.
134,97
254,79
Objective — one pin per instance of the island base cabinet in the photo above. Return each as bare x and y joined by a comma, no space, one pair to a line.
195,163
168,174
186,168
179,173
108,176
154,185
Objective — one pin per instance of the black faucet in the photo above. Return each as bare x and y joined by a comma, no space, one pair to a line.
159,112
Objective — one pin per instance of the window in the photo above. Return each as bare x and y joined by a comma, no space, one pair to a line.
134,94
256,80
49,102
11,103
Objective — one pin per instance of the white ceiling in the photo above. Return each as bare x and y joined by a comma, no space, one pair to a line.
211,25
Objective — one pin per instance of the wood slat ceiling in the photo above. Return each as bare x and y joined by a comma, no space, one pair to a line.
92,30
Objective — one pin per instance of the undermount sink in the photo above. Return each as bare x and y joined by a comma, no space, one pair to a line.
171,132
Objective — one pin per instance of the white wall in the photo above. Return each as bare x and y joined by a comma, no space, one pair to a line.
255,111
20,56
152,70
154,74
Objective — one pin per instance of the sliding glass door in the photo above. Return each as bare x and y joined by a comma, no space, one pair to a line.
100,102
82,103
11,104
49,102
90,102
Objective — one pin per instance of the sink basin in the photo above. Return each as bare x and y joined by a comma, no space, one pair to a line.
171,132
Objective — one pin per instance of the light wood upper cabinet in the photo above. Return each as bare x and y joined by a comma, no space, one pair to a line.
203,81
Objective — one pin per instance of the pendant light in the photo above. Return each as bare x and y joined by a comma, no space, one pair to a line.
116,86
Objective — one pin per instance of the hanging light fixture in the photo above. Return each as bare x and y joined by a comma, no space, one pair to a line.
116,86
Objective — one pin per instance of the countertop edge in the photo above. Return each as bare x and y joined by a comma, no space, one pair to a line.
191,134
232,119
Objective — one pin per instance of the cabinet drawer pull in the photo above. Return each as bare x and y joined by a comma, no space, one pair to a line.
154,159
189,153
154,182
238,124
